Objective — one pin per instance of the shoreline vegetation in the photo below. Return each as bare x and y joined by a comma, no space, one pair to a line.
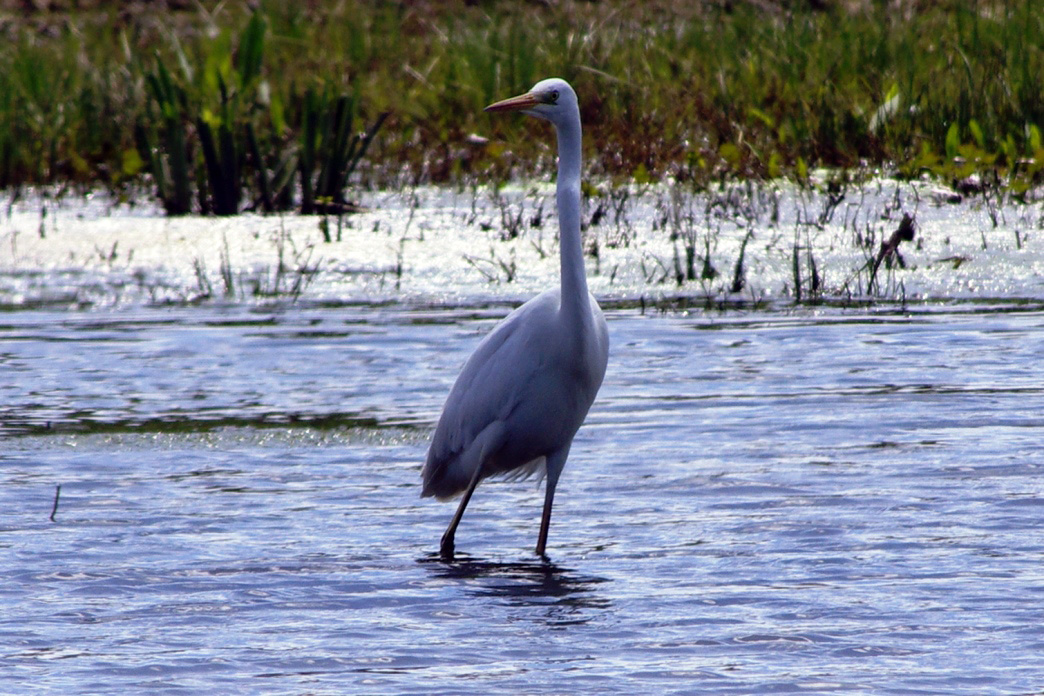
226,107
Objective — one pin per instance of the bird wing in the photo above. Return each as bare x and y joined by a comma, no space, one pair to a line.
488,389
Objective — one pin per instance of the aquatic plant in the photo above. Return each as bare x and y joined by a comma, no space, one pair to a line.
208,119
202,112
331,149
168,159
692,91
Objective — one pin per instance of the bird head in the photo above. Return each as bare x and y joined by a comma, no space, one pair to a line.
551,99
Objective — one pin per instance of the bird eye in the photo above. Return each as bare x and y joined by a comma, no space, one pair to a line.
554,96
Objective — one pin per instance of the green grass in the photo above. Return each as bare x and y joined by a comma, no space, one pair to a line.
697,91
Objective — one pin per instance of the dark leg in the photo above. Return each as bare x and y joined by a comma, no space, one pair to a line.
545,519
555,463
446,548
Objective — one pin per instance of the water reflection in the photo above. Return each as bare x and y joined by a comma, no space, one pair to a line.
569,597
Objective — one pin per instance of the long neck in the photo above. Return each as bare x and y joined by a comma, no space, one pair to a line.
574,281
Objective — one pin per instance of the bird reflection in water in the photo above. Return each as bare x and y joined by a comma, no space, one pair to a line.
570,595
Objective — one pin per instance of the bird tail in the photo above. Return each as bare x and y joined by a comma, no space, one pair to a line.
444,479
449,475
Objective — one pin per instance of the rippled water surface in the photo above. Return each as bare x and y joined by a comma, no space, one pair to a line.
809,501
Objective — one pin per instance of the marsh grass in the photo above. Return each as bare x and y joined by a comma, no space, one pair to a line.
694,91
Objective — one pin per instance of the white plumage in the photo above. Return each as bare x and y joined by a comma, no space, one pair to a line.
527,388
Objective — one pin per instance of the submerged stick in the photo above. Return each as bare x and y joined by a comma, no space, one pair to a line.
57,492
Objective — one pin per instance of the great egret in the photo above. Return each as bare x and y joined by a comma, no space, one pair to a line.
526,389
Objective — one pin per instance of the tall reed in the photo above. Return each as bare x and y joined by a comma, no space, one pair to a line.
695,91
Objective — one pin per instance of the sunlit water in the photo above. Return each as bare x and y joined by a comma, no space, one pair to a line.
431,245
788,500
791,501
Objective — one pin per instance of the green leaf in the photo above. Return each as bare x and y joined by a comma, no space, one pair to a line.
131,163
976,132
730,153
1033,135
887,109
773,166
275,110
183,62
953,140
1008,148
251,49
641,174
210,118
761,116
79,164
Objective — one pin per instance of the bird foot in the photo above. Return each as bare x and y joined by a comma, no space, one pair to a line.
446,549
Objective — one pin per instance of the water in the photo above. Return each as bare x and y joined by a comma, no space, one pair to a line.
788,501
443,247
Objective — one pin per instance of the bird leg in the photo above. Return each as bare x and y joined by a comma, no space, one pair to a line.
446,548
545,520
555,462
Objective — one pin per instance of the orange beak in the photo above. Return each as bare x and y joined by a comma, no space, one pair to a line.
519,103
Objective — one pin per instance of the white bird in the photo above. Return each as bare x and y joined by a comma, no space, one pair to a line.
526,389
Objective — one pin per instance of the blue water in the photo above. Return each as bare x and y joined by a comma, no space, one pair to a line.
791,501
